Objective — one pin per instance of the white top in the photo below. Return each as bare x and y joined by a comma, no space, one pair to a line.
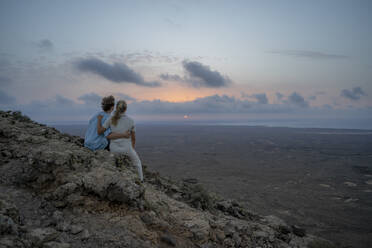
125,123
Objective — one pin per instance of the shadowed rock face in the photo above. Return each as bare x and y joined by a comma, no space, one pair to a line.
56,193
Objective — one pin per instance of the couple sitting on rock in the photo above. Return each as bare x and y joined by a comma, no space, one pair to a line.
116,133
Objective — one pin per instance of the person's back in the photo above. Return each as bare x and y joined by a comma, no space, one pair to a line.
94,140
124,124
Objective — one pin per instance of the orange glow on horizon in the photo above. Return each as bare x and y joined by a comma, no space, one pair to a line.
173,94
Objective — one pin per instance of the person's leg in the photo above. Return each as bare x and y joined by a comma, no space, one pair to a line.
136,161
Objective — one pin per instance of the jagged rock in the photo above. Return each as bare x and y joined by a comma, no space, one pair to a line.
191,180
62,191
6,242
229,230
9,210
56,245
98,190
85,234
301,232
7,225
220,235
168,239
40,236
108,184
149,218
260,234
75,229
57,216
237,239
277,224
63,226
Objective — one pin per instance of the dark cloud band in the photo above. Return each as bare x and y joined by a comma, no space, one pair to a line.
198,75
117,72
353,94
202,76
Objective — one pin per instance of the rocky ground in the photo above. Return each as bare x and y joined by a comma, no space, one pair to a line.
56,193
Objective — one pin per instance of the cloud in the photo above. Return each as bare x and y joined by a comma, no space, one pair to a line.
61,100
218,107
45,45
91,98
308,54
312,98
297,100
145,56
261,98
198,75
353,94
212,104
121,96
6,99
202,76
171,77
279,96
117,73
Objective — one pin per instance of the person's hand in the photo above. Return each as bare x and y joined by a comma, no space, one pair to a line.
127,134
99,117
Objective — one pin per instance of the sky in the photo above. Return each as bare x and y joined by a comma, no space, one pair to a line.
172,60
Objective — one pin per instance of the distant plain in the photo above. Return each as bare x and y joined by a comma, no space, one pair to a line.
320,179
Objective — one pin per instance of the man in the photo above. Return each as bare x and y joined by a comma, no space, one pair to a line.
95,140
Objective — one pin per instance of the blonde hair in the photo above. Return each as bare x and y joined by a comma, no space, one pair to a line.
121,107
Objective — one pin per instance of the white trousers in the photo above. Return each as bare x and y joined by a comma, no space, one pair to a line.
131,153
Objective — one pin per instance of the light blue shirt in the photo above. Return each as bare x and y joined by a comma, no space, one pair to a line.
92,140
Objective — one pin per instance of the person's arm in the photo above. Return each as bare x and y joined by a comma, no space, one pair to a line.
100,128
113,136
133,138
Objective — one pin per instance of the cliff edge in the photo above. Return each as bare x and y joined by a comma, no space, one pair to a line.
56,193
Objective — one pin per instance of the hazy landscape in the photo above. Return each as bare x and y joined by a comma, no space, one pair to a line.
320,179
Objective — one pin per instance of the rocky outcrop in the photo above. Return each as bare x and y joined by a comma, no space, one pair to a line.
56,193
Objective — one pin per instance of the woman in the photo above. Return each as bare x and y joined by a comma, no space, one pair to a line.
96,137
121,123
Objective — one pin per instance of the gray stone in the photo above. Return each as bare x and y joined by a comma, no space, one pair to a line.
301,232
7,225
229,230
63,226
191,180
56,245
6,242
64,190
261,234
39,236
85,235
237,239
220,235
57,216
75,229
112,185
168,239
